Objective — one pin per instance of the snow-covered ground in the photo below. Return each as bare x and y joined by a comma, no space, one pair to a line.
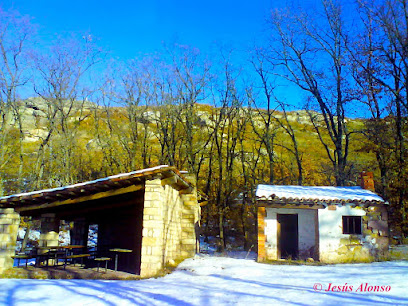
210,280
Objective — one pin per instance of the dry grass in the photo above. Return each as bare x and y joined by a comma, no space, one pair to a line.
71,272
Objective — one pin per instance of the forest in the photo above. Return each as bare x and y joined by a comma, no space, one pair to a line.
321,99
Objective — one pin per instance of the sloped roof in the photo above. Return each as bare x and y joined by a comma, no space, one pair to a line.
113,182
317,193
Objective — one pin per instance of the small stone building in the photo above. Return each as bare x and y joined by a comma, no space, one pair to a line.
328,224
153,212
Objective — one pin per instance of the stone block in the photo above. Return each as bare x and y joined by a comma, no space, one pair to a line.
5,252
153,223
147,250
357,249
145,232
6,220
188,241
189,229
150,241
13,244
374,215
7,211
383,233
2,264
4,237
6,263
152,259
153,196
12,229
185,254
157,232
384,216
150,211
148,204
190,203
382,243
187,211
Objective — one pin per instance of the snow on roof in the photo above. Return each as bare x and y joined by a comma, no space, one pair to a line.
317,193
112,177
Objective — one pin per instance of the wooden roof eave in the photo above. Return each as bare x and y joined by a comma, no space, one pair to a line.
175,179
289,204
313,203
110,185
76,200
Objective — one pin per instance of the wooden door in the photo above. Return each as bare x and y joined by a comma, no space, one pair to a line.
288,236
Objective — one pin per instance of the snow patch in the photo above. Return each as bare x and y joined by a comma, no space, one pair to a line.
317,193
208,280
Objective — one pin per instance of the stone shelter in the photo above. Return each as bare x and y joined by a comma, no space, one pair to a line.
152,212
328,224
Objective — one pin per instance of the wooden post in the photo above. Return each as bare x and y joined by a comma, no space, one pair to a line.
316,255
261,234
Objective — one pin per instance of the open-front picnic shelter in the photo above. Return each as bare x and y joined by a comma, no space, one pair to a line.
150,213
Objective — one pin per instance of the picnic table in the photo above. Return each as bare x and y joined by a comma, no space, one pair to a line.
44,254
117,251
20,256
69,254
102,259
65,252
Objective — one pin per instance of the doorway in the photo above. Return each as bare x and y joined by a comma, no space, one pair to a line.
288,236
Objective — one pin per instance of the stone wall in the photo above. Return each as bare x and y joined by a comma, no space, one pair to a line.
9,223
372,244
376,232
306,228
328,243
169,220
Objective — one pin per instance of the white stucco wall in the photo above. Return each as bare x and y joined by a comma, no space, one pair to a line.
331,232
306,227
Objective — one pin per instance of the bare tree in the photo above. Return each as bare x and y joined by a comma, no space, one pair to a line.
15,35
311,54
134,91
61,85
250,163
229,123
263,105
169,132
286,125
191,76
380,56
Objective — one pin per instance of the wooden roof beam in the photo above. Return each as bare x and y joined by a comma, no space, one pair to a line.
172,180
92,197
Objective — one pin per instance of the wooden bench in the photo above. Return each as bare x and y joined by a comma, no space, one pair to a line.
45,258
22,256
101,259
73,257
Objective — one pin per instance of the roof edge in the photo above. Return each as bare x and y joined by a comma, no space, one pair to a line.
113,182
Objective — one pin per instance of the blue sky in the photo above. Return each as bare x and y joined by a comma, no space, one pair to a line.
130,28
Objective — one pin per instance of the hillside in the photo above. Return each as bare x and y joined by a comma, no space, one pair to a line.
91,141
